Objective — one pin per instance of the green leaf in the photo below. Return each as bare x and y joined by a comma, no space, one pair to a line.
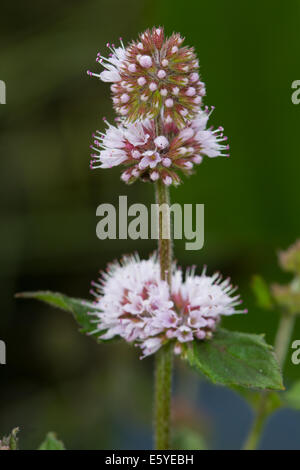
262,292
51,443
79,308
292,397
232,358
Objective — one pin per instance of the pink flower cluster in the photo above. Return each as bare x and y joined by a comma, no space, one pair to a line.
154,73
133,303
158,94
150,155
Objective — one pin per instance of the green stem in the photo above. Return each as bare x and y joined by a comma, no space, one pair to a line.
163,381
164,357
282,341
164,242
258,424
283,337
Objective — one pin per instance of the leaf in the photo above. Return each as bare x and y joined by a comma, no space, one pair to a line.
79,308
51,443
262,292
232,358
13,439
292,397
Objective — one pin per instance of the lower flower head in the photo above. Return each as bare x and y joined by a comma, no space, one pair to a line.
132,302
149,154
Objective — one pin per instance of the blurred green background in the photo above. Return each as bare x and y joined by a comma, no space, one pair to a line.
55,379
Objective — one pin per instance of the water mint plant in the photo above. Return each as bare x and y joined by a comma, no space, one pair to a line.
161,134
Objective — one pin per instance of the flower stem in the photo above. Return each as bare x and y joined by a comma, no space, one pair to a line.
164,357
163,379
282,341
164,242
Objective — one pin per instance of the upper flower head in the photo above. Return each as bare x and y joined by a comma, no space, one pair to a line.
135,304
151,74
151,154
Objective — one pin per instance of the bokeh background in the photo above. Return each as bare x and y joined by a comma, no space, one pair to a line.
100,397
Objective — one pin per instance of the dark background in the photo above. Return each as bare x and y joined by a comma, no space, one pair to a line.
55,379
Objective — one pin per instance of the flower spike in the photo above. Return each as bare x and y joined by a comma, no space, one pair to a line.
151,74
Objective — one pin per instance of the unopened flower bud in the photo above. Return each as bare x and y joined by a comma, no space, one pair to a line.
145,61
161,142
141,81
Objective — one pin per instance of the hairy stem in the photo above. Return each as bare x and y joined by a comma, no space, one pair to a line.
163,379
164,357
282,341
164,242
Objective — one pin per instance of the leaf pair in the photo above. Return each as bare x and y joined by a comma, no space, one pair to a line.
230,358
